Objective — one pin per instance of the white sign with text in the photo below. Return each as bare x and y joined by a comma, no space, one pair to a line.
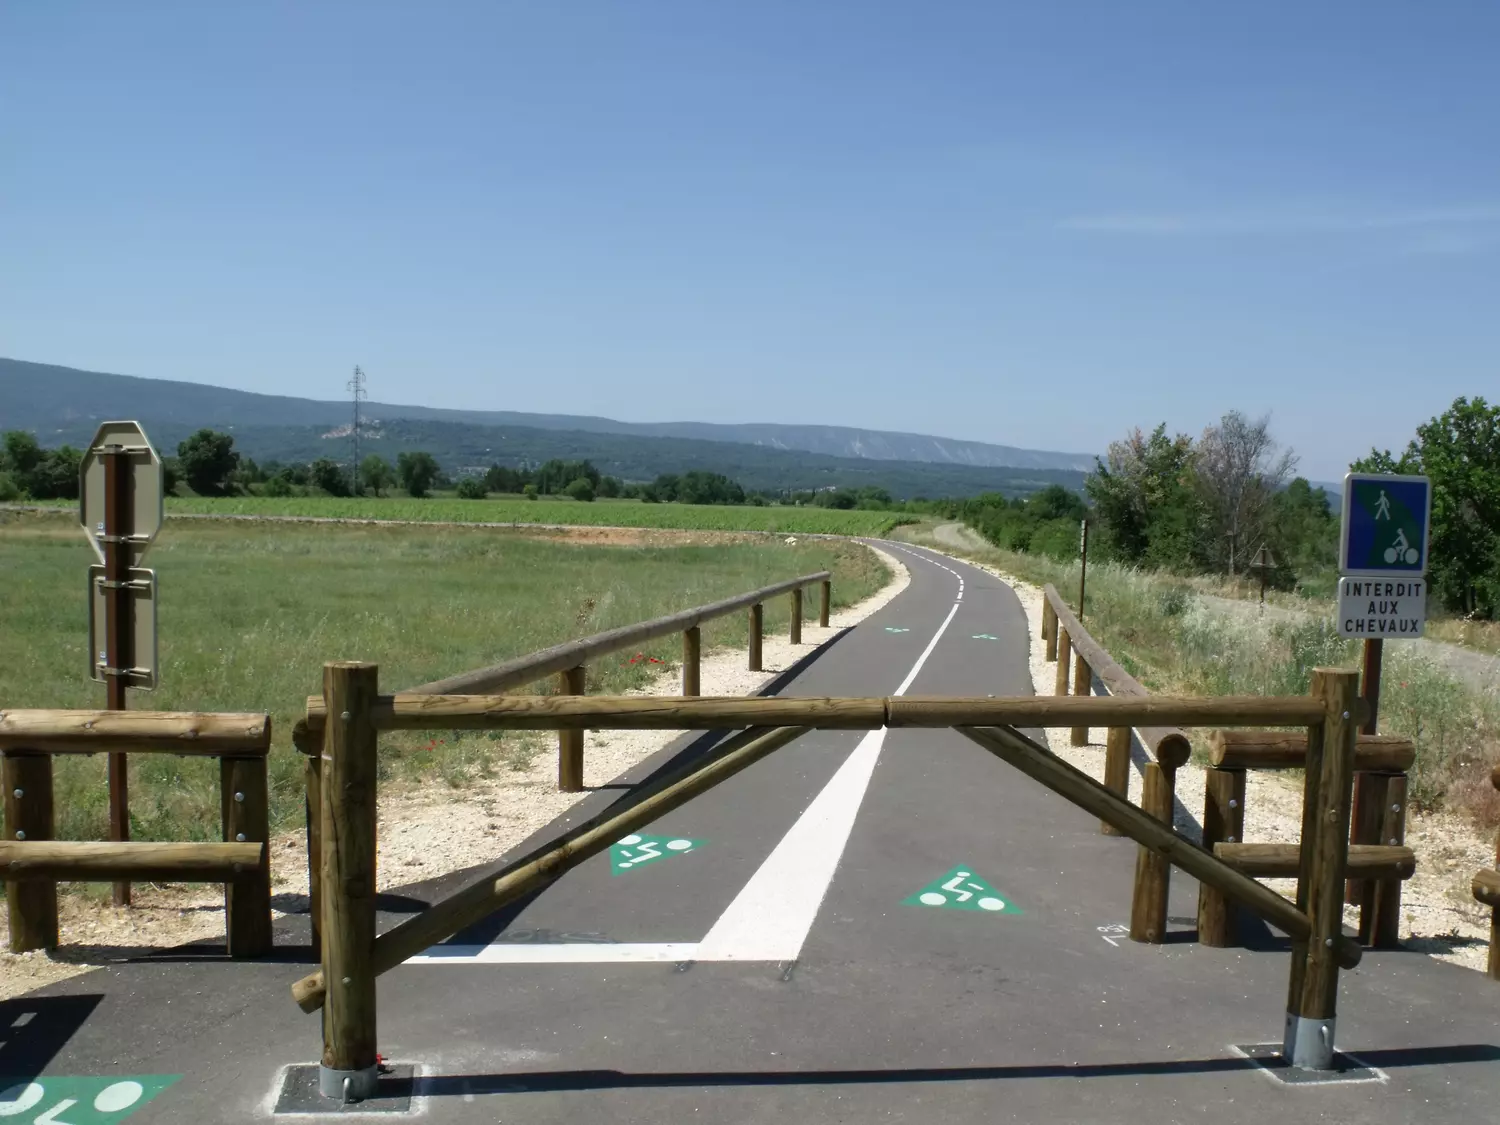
1382,608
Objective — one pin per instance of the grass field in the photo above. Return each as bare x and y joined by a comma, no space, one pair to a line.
250,612
609,513
1159,629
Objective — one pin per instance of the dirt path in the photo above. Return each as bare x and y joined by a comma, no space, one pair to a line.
426,829
958,535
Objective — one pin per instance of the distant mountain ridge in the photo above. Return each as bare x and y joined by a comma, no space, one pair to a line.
65,403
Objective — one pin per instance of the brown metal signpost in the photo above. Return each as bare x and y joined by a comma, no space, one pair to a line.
120,507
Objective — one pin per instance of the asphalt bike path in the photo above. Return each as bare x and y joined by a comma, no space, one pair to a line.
881,926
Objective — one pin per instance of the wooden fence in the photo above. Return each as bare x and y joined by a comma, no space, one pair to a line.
1378,862
32,862
568,662
354,713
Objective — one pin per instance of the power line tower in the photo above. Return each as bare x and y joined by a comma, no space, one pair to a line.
356,388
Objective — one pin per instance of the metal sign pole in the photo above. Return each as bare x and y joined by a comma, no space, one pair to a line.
118,648
1083,564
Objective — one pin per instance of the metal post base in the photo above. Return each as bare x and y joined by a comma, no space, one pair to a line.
348,1085
1308,1043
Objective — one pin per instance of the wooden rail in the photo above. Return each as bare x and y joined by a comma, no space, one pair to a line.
352,955
32,862
1379,760
1287,750
1284,861
568,662
407,711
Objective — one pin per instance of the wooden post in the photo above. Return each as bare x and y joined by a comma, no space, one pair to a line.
1223,823
1116,769
825,601
1064,653
797,616
31,904
117,524
1148,901
692,641
1380,902
1083,684
313,778
757,629
1312,998
349,1067
245,811
1049,628
570,742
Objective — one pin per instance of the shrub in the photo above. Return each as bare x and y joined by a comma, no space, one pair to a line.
472,488
9,489
529,492
580,489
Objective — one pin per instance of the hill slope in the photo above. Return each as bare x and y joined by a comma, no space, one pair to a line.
64,403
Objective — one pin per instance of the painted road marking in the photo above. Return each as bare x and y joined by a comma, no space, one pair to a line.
893,629
984,637
961,889
1113,932
56,1100
637,851
774,912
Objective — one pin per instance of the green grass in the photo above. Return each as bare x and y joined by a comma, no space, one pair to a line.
613,513
1160,631
250,612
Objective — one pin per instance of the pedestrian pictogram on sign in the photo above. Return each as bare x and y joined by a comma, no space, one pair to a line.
1385,525
961,889
637,851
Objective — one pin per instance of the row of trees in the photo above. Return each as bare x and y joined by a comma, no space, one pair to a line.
1208,505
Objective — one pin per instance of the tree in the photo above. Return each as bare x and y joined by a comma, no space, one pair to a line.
206,460
1237,470
376,474
171,475
22,454
331,477
1460,451
472,488
529,491
610,487
1146,507
55,476
278,486
9,489
416,471
580,489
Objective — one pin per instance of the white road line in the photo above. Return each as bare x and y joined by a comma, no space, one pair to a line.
772,915
501,953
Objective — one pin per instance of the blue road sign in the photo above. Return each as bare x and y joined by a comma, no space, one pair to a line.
1386,520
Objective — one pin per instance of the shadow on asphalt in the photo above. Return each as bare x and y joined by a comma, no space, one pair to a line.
33,1030
460,1085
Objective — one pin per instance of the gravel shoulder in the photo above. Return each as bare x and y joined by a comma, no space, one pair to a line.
426,830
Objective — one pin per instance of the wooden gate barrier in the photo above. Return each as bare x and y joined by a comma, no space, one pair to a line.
352,713
32,863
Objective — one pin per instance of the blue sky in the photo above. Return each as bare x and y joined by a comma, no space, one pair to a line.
1032,224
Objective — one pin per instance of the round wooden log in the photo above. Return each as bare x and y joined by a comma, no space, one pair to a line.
540,867
1286,750
692,650
1495,777
349,795
1223,822
1083,685
1064,657
1148,900
1284,861
245,811
1116,769
31,904
570,683
135,732
825,602
1486,887
1099,711
101,862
